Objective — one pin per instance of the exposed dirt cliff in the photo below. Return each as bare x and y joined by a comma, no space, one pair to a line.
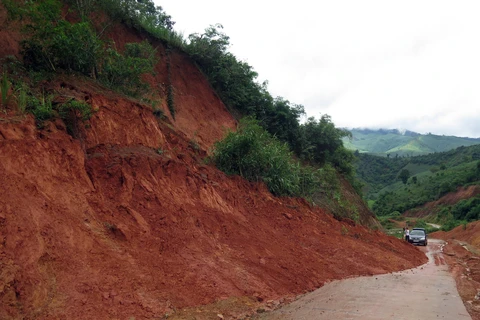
125,220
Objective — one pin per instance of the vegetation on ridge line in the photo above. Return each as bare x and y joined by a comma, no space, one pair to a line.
56,45
394,143
254,154
317,142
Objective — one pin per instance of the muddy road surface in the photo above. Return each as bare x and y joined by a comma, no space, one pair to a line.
426,292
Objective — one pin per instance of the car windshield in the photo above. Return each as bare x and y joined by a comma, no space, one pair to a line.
417,233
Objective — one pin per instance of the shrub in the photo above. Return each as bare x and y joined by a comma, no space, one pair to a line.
124,71
41,108
83,7
395,214
80,109
73,112
324,180
71,47
54,43
255,155
5,90
450,224
468,209
420,223
22,98
138,14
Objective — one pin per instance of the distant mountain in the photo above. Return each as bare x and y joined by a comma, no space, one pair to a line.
396,142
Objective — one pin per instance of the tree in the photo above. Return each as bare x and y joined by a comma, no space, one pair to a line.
404,175
141,14
323,141
282,120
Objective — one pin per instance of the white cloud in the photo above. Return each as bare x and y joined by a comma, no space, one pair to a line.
391,64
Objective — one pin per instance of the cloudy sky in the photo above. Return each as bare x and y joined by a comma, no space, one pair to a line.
380,64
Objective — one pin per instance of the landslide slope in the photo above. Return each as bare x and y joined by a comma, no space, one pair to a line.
126,221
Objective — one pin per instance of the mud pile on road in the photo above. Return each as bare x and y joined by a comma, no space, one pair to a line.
469,233
125,220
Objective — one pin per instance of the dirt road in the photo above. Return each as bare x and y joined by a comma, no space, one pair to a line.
426,292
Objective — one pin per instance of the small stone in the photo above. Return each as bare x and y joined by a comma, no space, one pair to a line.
288,216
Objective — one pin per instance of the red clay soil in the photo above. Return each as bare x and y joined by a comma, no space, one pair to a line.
469,233
462,252
126,221
123,231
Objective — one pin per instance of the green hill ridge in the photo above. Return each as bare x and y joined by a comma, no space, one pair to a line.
393,142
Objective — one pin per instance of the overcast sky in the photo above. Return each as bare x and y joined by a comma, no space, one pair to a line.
379,64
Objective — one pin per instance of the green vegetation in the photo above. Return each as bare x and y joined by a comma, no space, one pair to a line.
235,83
53,44
271,145
404,175
423,179
170,89
468,209
144,16
377,172
41,107
316,142
61,45
429,187
323,144
124,71
254,154
380,173
394,143
72,112
5,87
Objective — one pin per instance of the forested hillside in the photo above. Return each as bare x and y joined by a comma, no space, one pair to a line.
397,185
396,143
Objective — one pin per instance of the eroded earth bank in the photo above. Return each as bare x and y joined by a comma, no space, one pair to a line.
123,219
